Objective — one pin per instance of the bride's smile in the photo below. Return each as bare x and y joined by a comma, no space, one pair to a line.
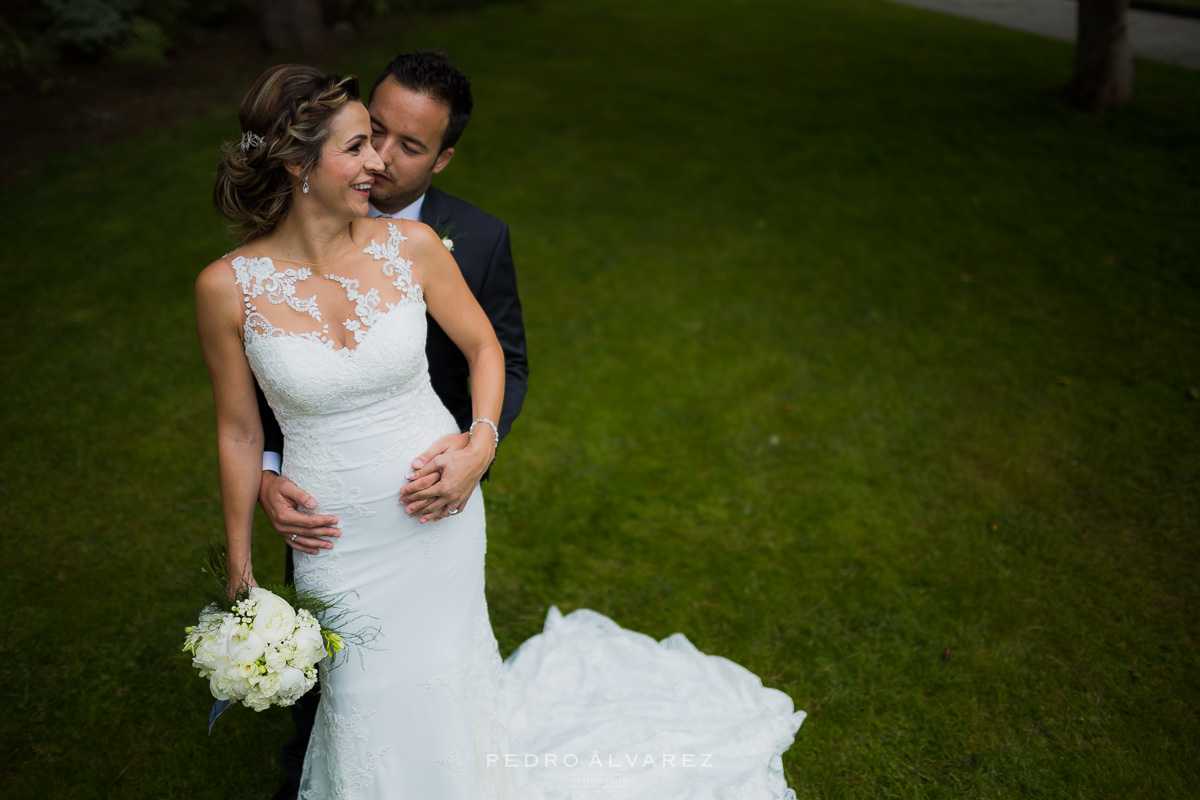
340,184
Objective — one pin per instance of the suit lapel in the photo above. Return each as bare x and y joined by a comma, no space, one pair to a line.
433,211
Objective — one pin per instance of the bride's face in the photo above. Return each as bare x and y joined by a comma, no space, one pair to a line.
343,177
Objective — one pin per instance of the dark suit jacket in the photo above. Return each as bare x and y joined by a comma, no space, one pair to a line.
484,254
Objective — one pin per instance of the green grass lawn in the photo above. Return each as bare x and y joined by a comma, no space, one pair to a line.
855,357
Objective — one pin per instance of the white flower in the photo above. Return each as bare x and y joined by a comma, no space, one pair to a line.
211,654
246,608
292,684
449,243
275,618
228,623
263,653
227,684
268,684
310,647
275,660
257,701
285,649
219,687
245,646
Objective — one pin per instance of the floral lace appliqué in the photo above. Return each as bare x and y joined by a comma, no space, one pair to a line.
429,541
339,772
258,324
366,307
394,265
454,762
257,276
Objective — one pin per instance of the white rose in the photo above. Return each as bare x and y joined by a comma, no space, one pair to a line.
268,684
245,646
292,684
211,654
257,701
238,684
227,684
275,618
449,244
219,686
276,660
310,647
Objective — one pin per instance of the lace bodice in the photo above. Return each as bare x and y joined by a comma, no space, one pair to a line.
318,375
362,396
258,277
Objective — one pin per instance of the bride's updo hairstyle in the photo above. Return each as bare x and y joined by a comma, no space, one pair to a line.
285,120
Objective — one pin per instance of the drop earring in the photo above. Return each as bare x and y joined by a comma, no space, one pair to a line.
305,187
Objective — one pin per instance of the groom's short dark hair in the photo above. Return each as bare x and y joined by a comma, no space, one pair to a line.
431,73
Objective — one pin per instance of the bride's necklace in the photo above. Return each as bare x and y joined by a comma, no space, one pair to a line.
317,266
353,244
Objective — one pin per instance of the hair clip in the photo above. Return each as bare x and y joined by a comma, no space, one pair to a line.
251,141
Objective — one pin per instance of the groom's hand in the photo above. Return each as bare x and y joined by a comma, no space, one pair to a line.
281,499
442,478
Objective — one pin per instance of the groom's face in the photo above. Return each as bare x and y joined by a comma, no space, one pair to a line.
406,130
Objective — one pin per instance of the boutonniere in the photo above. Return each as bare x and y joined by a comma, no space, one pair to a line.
445,232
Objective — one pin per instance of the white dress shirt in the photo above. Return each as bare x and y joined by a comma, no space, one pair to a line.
411,211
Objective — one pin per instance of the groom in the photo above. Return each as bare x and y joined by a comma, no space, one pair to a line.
420,105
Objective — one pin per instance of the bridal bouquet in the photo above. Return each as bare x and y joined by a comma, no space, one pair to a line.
261,652
262,648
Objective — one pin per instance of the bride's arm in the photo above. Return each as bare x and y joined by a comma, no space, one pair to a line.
239,429
457,312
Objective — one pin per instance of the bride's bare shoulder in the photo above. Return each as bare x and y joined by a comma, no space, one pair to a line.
216,284
416,239
420,234
375,229
380,230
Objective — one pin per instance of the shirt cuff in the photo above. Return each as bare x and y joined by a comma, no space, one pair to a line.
272,462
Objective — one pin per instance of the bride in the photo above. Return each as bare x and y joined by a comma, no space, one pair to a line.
326,309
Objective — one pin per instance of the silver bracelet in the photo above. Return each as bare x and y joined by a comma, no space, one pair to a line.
495,430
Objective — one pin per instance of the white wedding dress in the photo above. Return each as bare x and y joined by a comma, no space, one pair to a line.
428,711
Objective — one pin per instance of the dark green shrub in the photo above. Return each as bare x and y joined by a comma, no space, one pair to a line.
145,45
24,50
88,27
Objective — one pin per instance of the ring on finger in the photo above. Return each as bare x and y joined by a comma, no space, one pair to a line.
294,535
453,510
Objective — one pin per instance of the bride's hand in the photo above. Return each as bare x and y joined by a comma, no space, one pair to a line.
234,588
443,477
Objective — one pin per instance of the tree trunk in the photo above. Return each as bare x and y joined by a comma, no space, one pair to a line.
1103,61
293,26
